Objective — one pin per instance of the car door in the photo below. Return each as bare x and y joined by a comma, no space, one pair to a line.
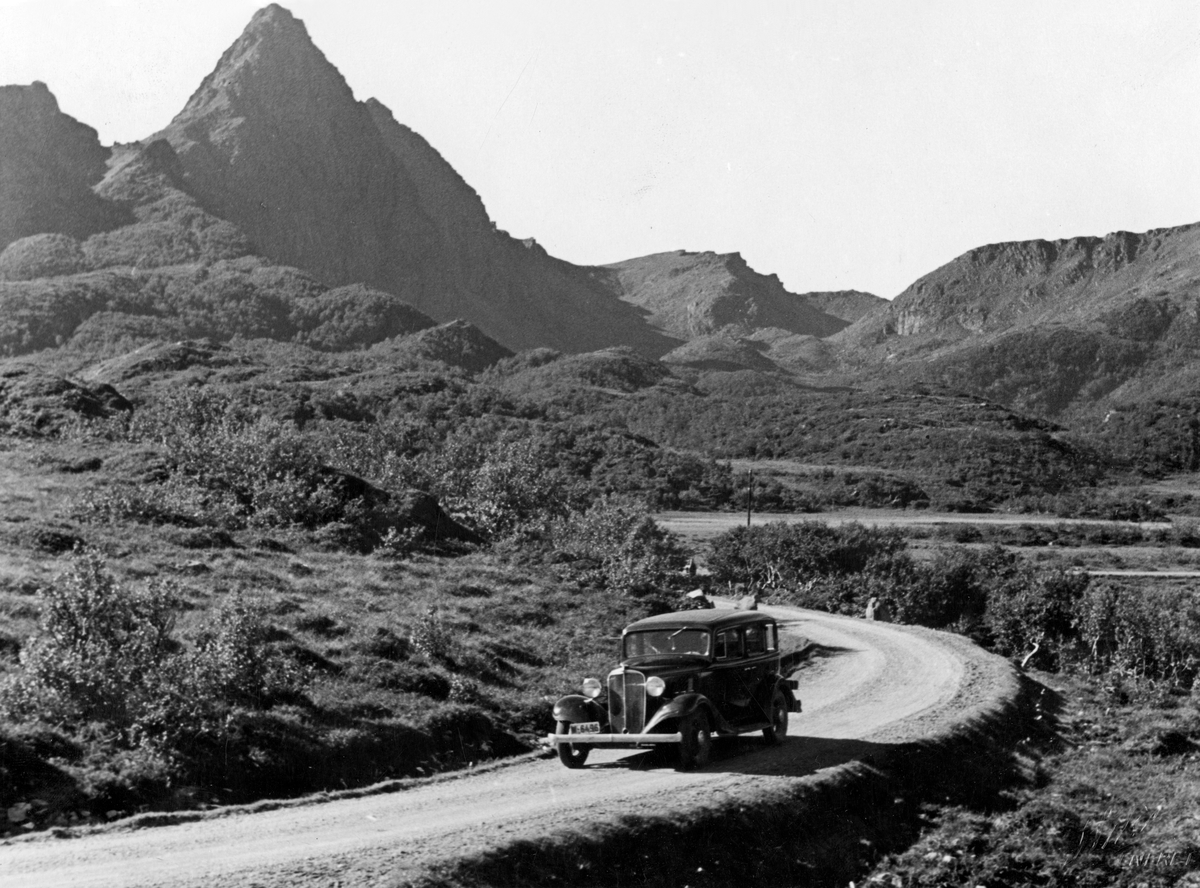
732,695
758,670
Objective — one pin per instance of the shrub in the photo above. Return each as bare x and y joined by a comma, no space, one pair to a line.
432,638
100,651
787,555
1143,633
105,659
354,317
619,545
1035,608
234,467
499,487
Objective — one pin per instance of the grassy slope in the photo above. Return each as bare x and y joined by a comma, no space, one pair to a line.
1112,800
416,665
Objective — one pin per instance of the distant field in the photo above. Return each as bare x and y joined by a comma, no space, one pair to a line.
702,525
1137,560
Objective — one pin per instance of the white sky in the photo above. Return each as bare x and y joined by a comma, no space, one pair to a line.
837,144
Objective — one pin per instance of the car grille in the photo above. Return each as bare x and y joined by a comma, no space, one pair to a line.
627,701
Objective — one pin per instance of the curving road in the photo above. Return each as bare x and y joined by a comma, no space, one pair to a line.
868,685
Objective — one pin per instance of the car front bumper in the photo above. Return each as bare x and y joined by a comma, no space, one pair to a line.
611,739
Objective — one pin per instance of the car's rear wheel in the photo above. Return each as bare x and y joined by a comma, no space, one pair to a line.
696,746
568,753
779,719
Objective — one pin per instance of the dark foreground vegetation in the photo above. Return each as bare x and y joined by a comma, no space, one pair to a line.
1107,796
1103,788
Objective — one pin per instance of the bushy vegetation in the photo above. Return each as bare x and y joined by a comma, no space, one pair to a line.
106,666
1050,618
945,450
230,467
232,463
42,255
1105,793
1154,435
619,547
226,299
1133,635
1041,371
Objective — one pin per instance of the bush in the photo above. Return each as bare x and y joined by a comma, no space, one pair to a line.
1035,609
1142,633
105,659
499,487
781,555
619,545
100,651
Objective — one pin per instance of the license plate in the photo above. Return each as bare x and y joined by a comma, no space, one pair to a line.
585,728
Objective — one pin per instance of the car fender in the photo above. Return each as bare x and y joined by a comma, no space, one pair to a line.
788,687
576,708
684,705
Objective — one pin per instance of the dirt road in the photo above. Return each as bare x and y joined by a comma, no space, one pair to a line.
870,685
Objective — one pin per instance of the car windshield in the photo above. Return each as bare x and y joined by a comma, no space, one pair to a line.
667,641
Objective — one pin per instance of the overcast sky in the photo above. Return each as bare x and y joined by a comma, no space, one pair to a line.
840,145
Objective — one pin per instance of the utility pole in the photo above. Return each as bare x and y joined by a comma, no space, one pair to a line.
749,494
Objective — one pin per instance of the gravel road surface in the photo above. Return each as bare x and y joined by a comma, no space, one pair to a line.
869,685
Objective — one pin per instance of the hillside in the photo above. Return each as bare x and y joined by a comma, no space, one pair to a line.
1047,326
688,295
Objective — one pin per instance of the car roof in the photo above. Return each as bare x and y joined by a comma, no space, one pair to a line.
700,619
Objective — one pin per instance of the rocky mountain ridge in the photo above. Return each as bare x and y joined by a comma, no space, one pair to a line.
688,295
276,204
274,154
1048,326
275,142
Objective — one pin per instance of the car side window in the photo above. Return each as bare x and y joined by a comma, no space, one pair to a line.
772,643
729,644
756,640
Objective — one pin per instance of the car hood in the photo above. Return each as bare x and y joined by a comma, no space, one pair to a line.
666,664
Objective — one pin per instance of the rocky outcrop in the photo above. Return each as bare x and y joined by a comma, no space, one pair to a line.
690,295
1001,287
274,141
35,402
1046,326
49,162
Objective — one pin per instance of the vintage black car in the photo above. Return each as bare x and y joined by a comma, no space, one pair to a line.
684,679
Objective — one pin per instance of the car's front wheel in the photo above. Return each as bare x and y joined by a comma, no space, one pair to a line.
696,746
568,753
779,719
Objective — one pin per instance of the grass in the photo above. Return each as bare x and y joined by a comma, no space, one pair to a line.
414,665
1116,801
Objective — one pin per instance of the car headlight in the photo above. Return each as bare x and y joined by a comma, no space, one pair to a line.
591,687
655,686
